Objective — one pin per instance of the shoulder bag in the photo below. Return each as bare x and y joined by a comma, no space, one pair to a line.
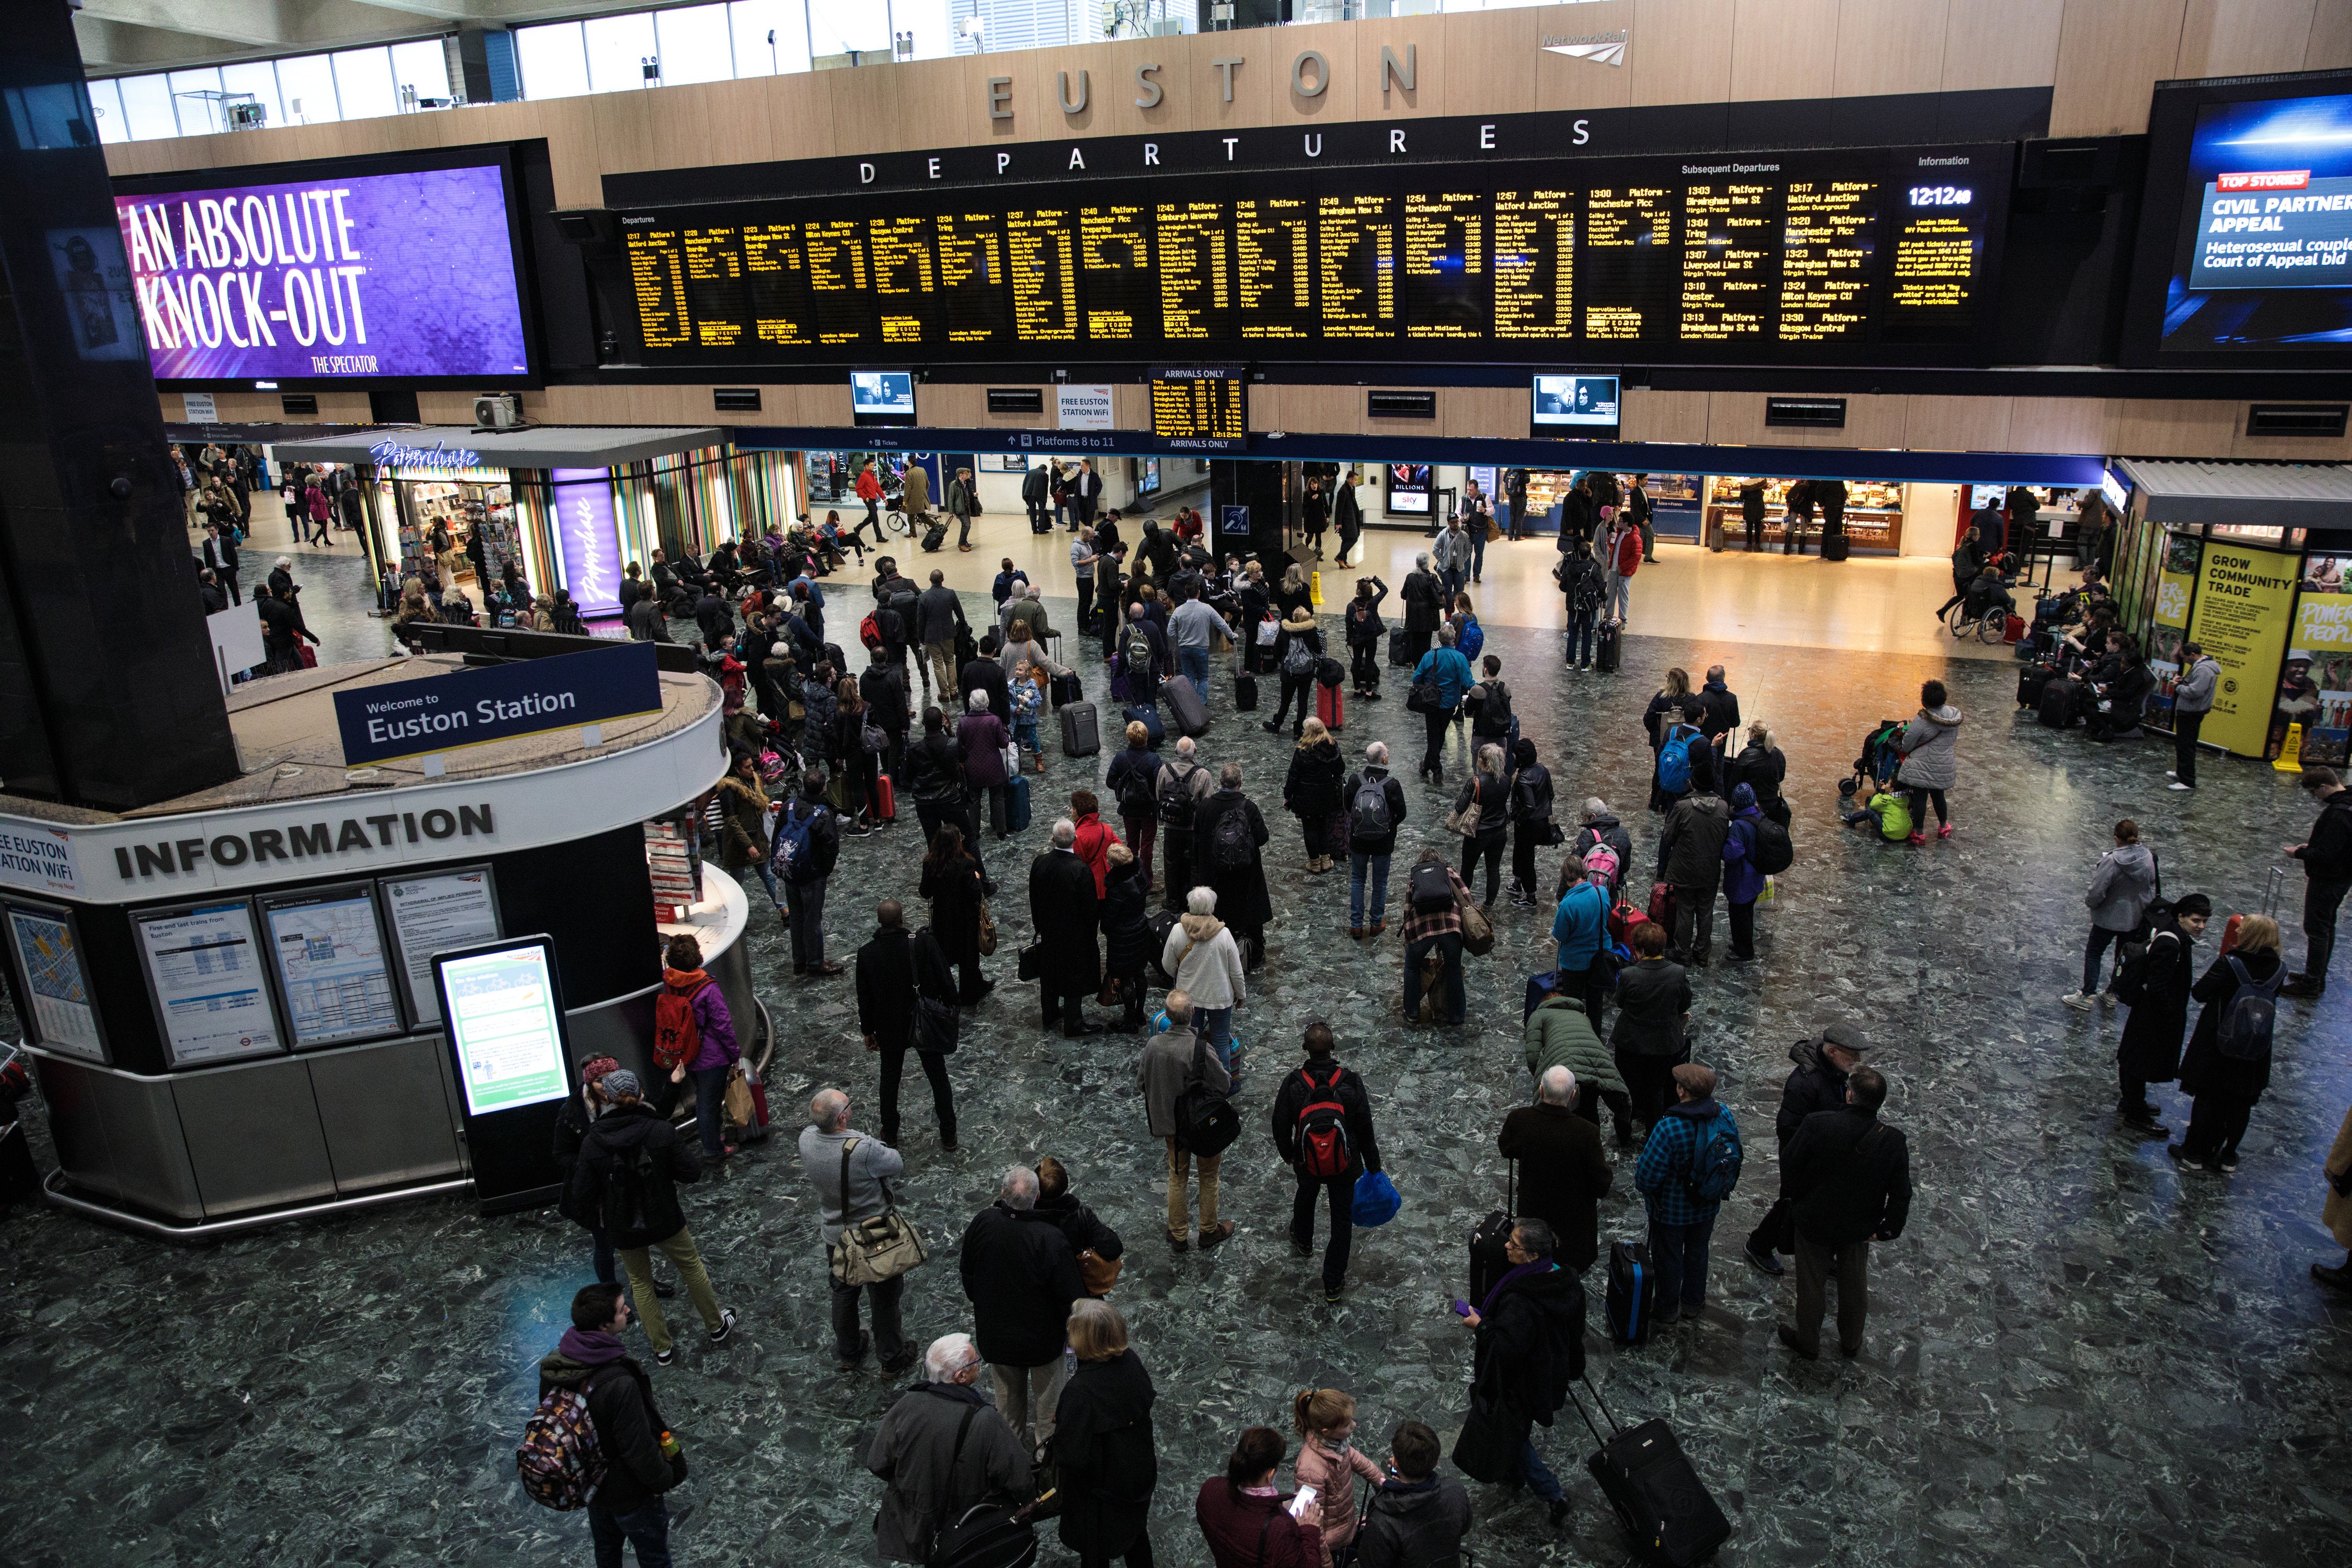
937,1024
987,930
1425,697
1477,931
1206,1124
872,1250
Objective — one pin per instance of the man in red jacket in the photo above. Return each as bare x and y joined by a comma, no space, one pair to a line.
870,491
1623,558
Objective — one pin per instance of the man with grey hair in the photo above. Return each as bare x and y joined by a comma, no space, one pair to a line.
1424,605
941,1451
1065,911
1563,1175
848,1170
1183,783
1375,806
1021,1276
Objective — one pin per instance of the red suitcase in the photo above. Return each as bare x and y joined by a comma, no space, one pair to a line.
1331,705
886,799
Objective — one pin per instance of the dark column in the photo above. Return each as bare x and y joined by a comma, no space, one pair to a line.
108,694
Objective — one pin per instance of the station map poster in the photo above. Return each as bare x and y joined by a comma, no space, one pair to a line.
47,956
2245,598
333,969
437,914
205,973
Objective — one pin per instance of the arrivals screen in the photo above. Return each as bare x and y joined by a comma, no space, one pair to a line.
1839,255
1201,407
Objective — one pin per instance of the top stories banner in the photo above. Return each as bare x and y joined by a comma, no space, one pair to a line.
377,275
2267,262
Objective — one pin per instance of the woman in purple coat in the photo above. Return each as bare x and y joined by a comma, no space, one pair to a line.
981,739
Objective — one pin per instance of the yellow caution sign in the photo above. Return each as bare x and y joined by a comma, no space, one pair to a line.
2290,757
1315,588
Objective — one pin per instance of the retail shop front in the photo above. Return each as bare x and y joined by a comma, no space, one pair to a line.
573,506
2248,560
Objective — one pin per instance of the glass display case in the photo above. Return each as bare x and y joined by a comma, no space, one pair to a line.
1874,514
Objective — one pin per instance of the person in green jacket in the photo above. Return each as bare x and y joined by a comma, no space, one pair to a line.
1891,811
1559,1034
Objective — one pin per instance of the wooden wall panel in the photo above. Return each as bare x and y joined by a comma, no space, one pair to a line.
2272,448
1268,408
263,408
2111,55
626,138
1736,419
2145,428
1563,83
1872,422
1890,46
1663,416
1680,52
2244,38
1329,409
1957,424
1484,70
2001,43
2059,423
800,118
1130,405
1336,41
1783,48
1471,411
1433,89
2330,48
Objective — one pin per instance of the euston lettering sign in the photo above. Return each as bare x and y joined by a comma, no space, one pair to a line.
473,707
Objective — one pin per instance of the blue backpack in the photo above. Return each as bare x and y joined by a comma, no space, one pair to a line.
1674,759
795,842
1715,1165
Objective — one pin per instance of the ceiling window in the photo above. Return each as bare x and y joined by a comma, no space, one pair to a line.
147,111
198,115
259,79
364,83
618,48
771,37
839,27
553,61
423,65
306,85
105,103
694,45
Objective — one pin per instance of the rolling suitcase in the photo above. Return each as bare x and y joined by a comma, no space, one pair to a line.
935,536
1657,1496
1487,1239
1192,714
1833,546
886,799
1330,706
1146,715
1016,804
2055,707
1244,692
1606,649
1400,650
2031,680
1068,688
1539,987
1632,1298
1081,737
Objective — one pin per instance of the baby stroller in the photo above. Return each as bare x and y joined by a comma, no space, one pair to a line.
1878,758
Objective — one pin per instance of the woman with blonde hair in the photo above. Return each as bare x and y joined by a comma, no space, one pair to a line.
1102,1444
2227,1064
1310,792
1330,1461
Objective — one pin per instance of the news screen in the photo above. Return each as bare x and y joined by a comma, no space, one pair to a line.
2265,260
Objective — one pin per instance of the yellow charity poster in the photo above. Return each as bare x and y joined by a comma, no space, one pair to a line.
2169,627
2316,689
2245,599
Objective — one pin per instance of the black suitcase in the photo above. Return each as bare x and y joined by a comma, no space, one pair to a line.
1160,925
935,536
1192,714
2030,681
1633,1297
1081,737
1068,689
1487,1239
2056,706
1606,648
1401,652
1658,1496
1244,692
1833,546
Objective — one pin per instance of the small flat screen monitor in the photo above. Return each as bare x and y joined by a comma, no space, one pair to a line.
1576,406
1409,487
506,1021
882,397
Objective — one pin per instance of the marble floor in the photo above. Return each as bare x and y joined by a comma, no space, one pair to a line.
2077,1352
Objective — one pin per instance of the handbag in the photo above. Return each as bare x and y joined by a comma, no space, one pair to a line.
872,1250
1464,823
1376,1201
937,1024
987,930
1477,931
739,1110
1031,962
1099,1273
1426,697
1013,759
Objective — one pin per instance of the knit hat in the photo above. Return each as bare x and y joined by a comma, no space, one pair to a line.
1743,798
596,1068
621,1083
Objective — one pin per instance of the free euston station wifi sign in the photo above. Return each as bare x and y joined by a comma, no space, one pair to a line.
473,707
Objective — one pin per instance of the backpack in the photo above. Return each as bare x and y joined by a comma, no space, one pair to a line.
2246,1018
1600,866
1714,1166
1431,888
558,1460
625,1210
869,632
1231,845
795,841
1673,760
677,1037
1324,1151
1175,796
1769,848
1494,716
1136,800
1135,649
2131,980
1368,814
1298,658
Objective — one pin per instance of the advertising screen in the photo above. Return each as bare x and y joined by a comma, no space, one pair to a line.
882,397
1836,256
1579,405
407,275
505,1026
2246,252
1408,488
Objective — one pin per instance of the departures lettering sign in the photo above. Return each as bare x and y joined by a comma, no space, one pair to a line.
474,707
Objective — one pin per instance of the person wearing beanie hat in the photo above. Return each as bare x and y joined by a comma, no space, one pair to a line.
1818,1084
571,1124
2155,987
1743,884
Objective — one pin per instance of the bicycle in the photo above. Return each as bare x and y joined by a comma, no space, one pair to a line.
895,519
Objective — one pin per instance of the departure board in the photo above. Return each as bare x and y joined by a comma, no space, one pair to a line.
1860,256
1201,407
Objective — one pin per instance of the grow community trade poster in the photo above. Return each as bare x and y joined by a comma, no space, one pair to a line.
2245,598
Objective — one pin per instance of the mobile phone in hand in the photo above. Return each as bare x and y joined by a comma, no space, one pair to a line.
1461,1307
1302,1504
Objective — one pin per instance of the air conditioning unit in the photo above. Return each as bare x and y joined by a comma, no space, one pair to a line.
497,411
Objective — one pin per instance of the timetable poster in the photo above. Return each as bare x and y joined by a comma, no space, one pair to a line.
437,914
1828,256
55,989
204,968
333,969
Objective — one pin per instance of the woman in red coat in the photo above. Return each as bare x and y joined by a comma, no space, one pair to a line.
1245,1521
1095,836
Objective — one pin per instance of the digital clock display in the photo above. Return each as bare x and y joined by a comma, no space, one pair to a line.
1941,196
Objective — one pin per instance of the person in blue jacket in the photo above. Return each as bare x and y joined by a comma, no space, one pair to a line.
1689,1165
1743,884
1445,667
1581,926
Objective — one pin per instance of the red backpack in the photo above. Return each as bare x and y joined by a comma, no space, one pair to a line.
1323,1148
677,1037
869,632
